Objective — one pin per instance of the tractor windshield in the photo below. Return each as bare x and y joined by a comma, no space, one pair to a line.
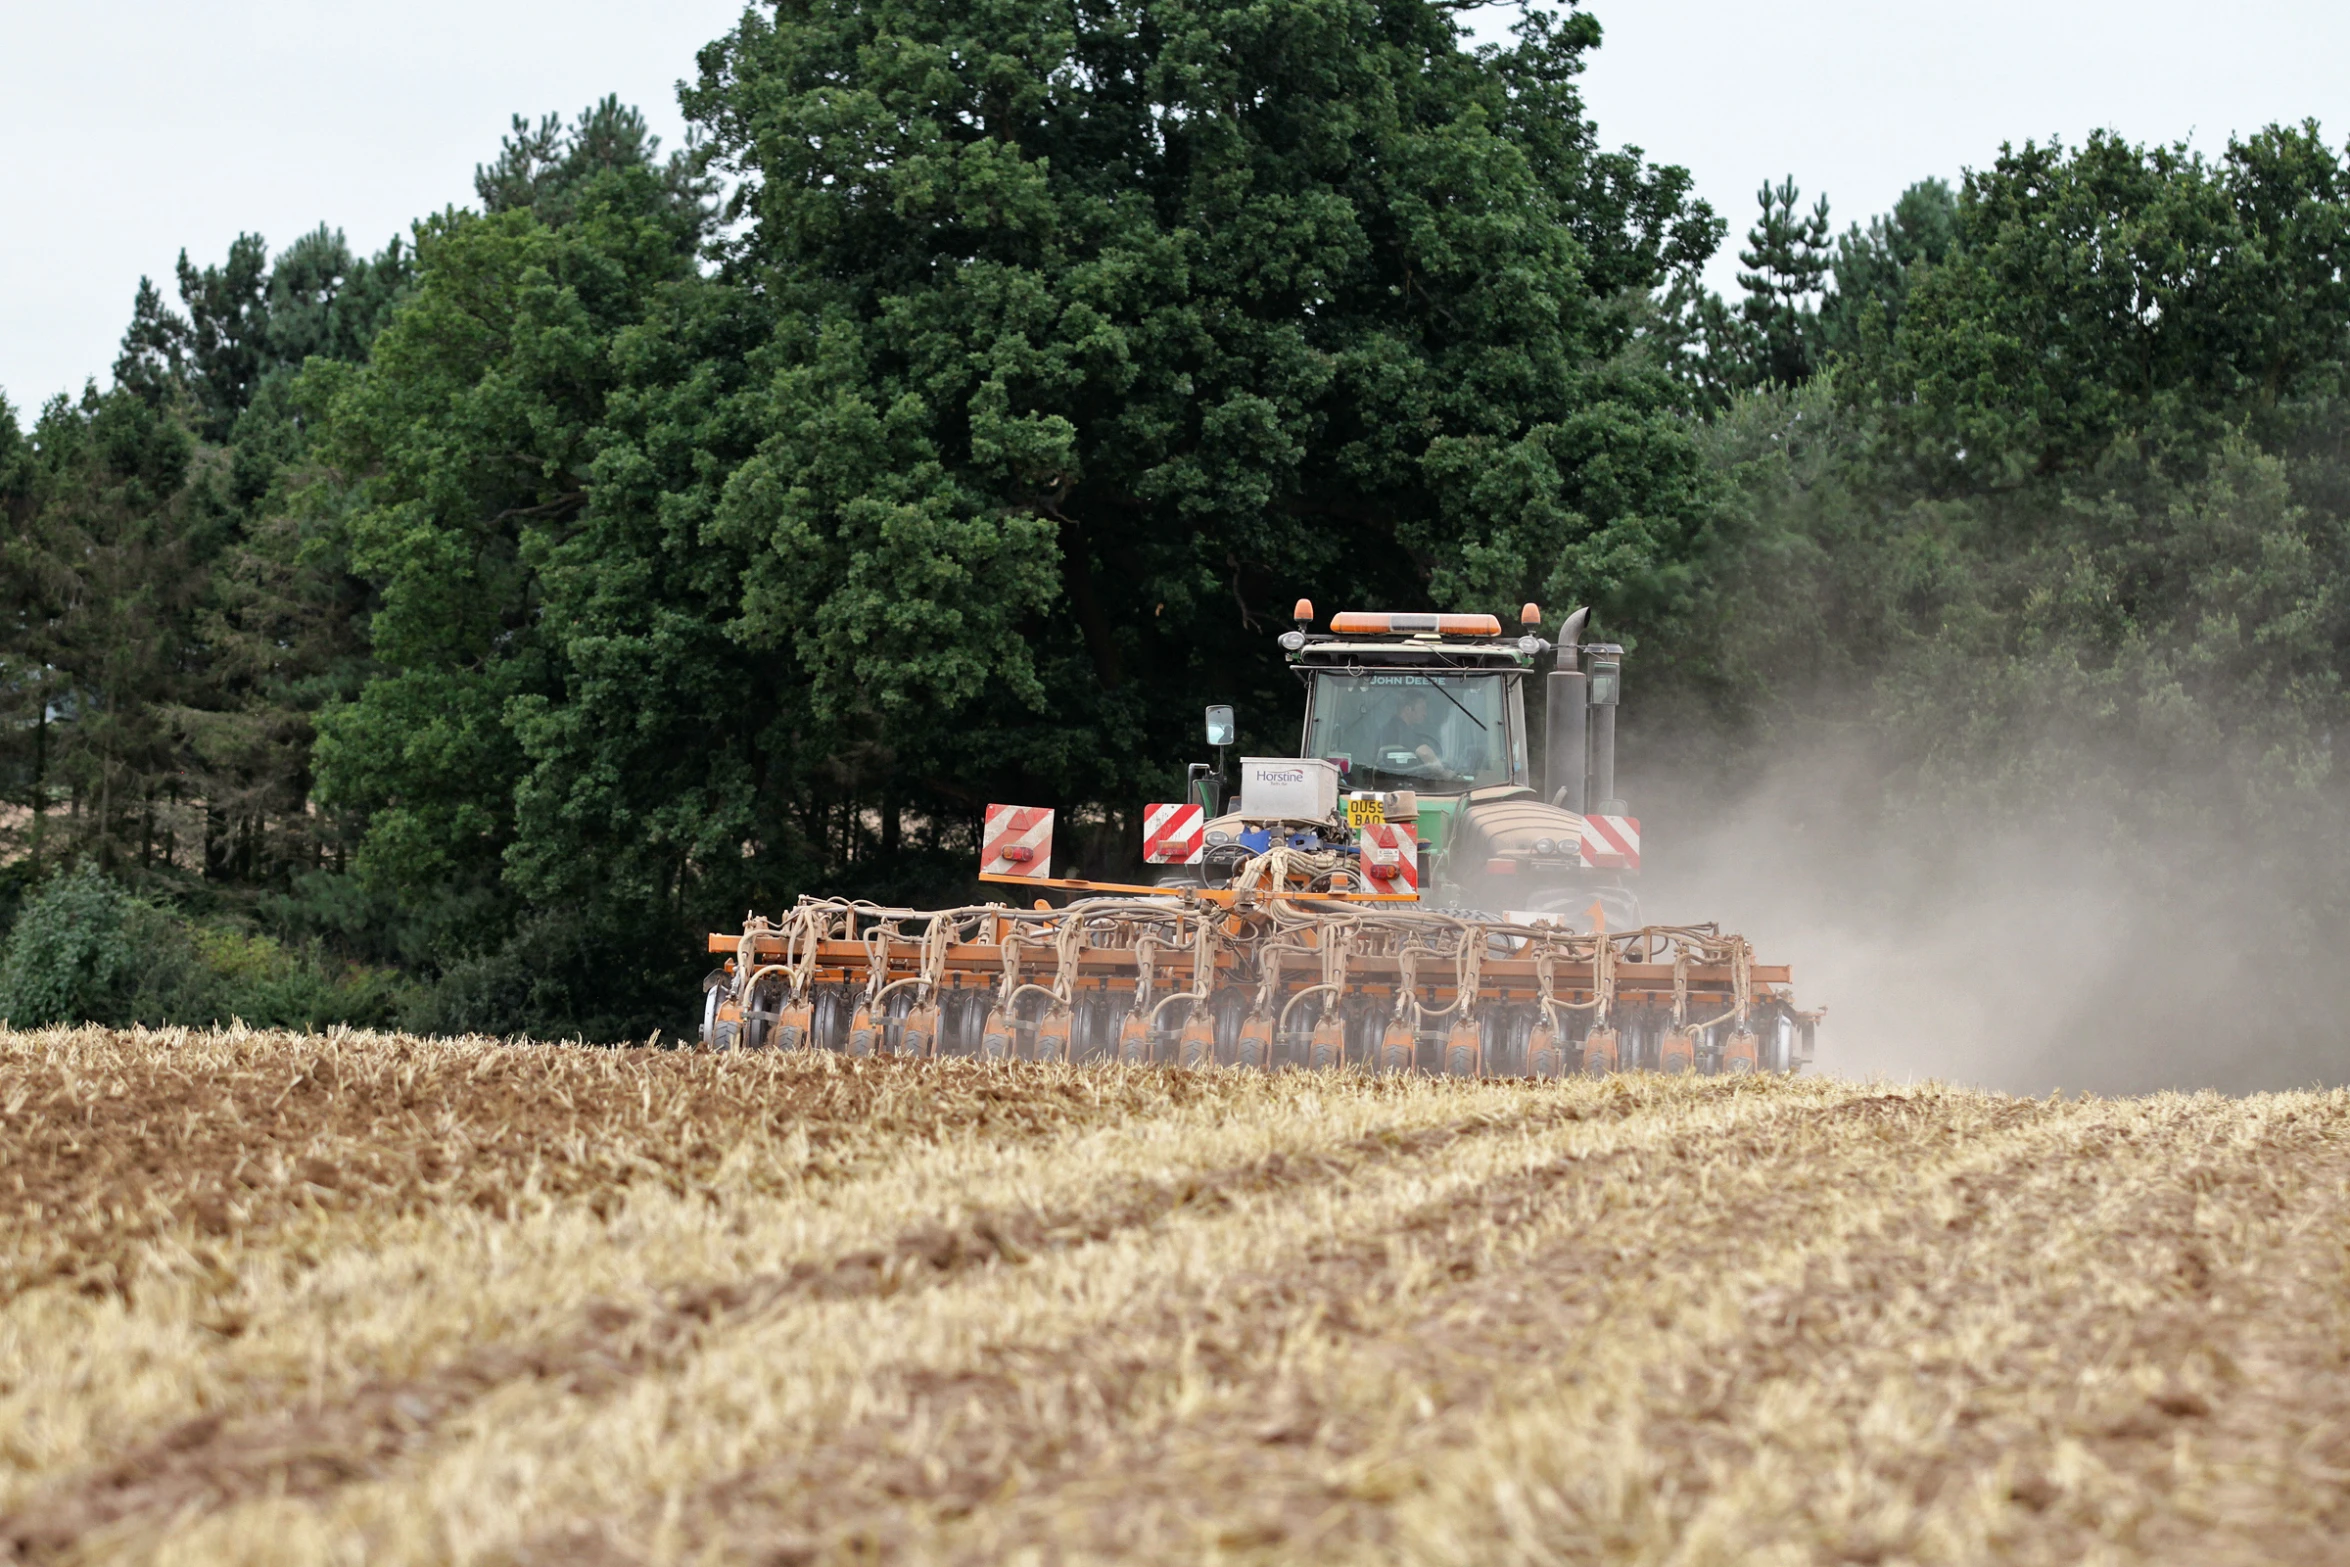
1408,730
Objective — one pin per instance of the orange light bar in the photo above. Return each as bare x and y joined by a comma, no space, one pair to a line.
1356,623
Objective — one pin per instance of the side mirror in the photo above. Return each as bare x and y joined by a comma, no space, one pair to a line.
1219,725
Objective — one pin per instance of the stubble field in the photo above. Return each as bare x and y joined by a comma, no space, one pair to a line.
268,1298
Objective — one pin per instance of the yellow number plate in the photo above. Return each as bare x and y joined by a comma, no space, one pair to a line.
1365,813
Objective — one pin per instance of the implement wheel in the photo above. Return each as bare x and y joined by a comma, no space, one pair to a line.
1545,1056
1196,1047
1254,1047
1051,1039
1464,1050
864,1032
1740,1053
996,1036
1326,1046
1398,1047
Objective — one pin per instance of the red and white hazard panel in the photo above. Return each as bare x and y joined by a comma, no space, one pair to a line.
1391,857
1173,834
1017,841
1611,843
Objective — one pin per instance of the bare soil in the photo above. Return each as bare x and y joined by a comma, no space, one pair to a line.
269,1297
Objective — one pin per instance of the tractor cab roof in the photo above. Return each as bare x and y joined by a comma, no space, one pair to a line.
1428,640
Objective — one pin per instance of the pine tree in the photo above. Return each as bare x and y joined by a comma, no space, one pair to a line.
105,578
1875,270
1788,262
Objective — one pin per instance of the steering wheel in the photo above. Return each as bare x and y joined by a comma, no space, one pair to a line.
1407,764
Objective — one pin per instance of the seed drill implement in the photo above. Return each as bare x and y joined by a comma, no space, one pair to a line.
1398,896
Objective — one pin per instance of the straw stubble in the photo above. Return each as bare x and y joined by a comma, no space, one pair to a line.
274,1298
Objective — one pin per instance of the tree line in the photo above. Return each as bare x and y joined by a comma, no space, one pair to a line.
451,635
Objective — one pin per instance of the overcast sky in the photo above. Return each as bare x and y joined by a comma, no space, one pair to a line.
135,127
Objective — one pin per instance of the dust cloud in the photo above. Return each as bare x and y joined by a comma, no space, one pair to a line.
2026,956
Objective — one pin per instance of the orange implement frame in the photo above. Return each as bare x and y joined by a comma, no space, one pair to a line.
1247,976
1116,968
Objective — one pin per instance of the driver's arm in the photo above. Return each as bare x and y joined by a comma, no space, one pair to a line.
1420,743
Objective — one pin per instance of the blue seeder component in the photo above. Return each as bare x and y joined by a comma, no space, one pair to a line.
1258,839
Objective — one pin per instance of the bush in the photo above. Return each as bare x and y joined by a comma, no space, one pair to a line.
84,950
258,979
560,978
17,883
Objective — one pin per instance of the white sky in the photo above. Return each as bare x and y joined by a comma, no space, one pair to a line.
135,127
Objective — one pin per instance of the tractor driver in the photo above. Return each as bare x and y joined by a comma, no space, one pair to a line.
1409,730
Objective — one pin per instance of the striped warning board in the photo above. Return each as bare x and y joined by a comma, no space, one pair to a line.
1611,843
1017,841
1173,834
1391,857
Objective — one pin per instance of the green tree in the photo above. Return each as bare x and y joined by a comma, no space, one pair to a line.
2071,521
169,623
1788,262
1874,270
248,320
105,580
482,487
326,301
2123,293
25,685
1102,332
216,353
548,169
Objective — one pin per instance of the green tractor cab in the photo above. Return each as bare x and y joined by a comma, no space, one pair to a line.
1422,719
